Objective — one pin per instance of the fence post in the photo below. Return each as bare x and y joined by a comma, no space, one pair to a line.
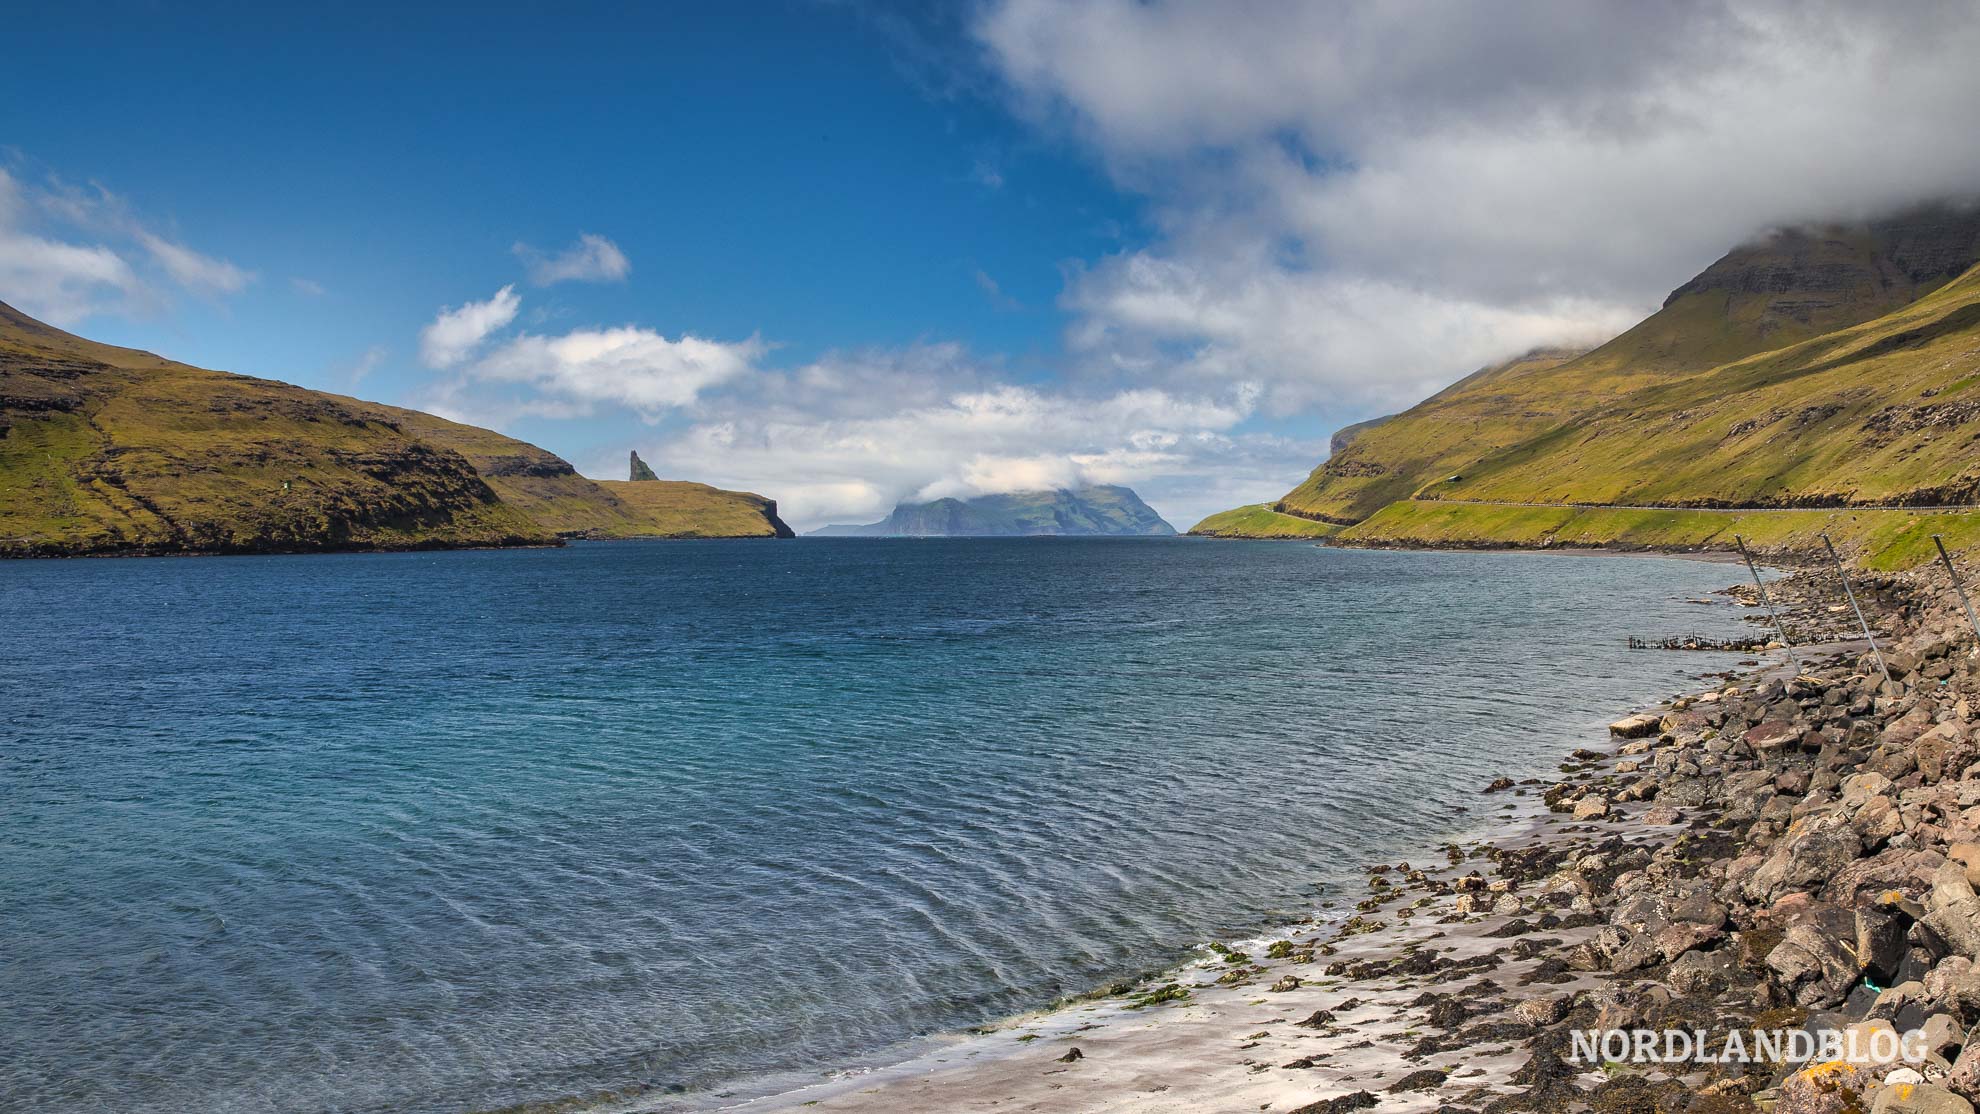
1957,586
1861,621
1768,599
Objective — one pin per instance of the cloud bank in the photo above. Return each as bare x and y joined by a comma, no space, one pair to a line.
1360,200
844,437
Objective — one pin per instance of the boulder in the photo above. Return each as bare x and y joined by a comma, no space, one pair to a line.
1866,881
1543,1010
1954,986
1701,974
1964,1079
1942,1034
1954,911
1967,855
1773,734
1918,1098
1816,959
1880,943
1815,848
1637,726
1831,1088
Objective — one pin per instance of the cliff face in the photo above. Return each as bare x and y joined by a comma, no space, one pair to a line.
107,450
680,509
1099,510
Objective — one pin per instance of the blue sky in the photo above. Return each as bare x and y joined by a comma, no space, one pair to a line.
846,254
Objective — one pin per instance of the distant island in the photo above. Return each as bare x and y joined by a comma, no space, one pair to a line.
107,451
1100,510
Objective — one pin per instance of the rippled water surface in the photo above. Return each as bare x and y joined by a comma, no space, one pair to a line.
448,832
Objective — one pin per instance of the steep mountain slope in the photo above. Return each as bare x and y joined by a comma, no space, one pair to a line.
111,450
1823,436
1099,510
1786,289
1470,418
1881,413
546,488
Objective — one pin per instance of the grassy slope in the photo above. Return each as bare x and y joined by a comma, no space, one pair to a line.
680,509
1887,412
552,493
1440,435
1883,412
112,450
1760,297
1259,520
536,482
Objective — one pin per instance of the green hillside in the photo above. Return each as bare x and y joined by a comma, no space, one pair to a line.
107,450
681,509
1885,412
1879,539
1789,288
1259,520
1825,368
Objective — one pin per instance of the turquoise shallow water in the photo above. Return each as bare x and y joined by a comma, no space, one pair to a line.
453,831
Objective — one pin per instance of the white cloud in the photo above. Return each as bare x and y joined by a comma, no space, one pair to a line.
1324,341
627,366
1357,201
307,287
190,269
457,331
68,254
995,292
62,283
592,259
845,438
366,363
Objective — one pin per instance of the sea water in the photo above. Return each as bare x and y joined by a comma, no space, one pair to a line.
460,831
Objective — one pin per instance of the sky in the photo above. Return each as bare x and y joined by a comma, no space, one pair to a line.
845,254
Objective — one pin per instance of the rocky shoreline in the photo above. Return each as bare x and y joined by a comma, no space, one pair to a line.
1782,852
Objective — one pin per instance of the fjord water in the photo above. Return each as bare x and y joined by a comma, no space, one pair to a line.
455,831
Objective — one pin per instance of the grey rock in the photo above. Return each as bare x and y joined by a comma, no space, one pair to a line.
1918,1098
1701,973
1813,851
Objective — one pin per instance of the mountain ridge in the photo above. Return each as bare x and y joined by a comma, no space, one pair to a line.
1811,368
1095,510
107,450
1780,289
